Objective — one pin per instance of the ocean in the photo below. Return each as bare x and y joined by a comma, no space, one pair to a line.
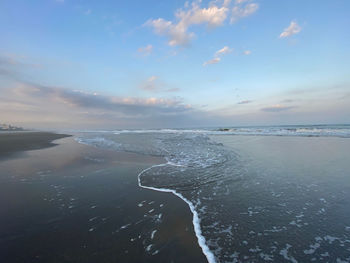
278,193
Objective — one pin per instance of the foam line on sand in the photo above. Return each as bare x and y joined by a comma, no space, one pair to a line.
196,221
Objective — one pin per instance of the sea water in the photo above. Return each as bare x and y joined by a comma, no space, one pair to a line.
280,194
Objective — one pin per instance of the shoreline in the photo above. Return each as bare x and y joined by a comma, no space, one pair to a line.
195,221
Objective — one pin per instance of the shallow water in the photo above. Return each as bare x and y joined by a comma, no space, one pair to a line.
258,198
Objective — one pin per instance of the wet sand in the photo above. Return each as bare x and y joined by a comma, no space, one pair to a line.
77,203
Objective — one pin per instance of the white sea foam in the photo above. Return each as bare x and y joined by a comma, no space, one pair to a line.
149,247
266,257
153,233
125,226
284,253
312,249
326,254
330,239
196,220
98,142
298,130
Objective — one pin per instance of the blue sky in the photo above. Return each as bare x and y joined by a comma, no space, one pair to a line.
145,64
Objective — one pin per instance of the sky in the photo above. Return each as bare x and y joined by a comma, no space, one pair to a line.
83,64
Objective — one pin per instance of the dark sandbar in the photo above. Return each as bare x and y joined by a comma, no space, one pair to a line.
12,142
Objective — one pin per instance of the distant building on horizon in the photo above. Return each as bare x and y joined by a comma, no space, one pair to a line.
8,127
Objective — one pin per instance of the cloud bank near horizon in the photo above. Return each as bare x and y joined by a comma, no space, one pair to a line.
40,106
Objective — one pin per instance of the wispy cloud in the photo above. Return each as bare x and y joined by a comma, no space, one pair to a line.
217,56
245,102
292,29
145,51
287,101
212,61
247,52
172,90
12,65
214,15
88,12
151,84
277,108
241,1
240,10
176,33
225,50
16,60
155,84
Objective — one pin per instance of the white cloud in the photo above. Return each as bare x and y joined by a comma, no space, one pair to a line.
155,84
151,84
152,78
240,11
177,33
147,50
277,108
292,29
225,50
245,102
241,1
221,52
214,15
247,52
212,61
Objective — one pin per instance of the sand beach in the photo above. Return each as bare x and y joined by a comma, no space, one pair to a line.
77,203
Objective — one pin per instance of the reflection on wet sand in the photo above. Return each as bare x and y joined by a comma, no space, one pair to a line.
75,203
